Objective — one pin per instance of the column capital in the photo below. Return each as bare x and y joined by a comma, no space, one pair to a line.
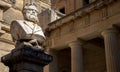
110,30
76,42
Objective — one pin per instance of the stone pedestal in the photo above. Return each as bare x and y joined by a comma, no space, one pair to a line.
26,59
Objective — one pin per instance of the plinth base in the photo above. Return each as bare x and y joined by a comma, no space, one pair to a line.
26,59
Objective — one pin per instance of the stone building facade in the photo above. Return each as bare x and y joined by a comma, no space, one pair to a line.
82,35
86,39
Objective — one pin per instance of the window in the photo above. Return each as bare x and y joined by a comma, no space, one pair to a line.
86,2
62,10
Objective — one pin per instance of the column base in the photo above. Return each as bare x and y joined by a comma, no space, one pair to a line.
26,59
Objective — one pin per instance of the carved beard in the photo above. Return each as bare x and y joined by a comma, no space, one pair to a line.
31,17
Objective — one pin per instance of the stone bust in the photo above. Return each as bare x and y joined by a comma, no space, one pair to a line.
27,31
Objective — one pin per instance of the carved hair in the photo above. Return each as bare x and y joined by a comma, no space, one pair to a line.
30,6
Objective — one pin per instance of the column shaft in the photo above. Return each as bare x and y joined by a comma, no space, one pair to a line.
111,50
53,66
76,57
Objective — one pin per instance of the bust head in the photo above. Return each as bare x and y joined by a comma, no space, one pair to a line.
30,12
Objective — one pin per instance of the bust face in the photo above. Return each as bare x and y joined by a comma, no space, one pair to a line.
31,14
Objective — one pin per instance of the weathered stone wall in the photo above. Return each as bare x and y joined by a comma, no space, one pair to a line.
69,5
6,17
94,58
5,48
12,14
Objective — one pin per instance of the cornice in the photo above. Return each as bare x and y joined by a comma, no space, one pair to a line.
78,13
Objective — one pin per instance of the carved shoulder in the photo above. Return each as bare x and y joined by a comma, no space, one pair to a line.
15,28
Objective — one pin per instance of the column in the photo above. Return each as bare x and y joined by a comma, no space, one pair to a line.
1,17
111,50
53,66
76,56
